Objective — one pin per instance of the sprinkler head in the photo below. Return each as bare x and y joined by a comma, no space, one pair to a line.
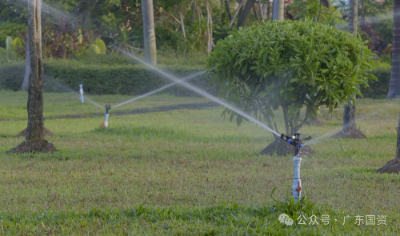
108,107
296,140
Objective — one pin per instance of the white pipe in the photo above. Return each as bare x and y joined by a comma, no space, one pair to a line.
81,92
105,124
296,188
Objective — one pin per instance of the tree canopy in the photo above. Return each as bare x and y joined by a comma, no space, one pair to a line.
290,64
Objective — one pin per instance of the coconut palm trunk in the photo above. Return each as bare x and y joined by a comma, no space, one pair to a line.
394,84
278,7
36,77
148,31
34,141
25,83
349,114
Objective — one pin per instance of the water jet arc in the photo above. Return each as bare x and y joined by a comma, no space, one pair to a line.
197,90
160,89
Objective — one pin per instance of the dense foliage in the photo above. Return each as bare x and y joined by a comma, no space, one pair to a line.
103,75
290,64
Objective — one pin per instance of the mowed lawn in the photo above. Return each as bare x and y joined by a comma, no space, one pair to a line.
189,172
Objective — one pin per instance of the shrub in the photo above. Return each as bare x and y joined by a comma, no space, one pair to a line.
103,78
10,29
291,64
378,88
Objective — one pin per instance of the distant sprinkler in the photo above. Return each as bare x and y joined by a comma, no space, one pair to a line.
297,142
105,123
81,91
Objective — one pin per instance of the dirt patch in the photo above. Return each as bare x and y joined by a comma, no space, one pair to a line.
282,148
33,147
357,134
393,166
25,131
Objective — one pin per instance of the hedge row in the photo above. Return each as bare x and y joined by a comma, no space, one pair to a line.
104,79
380,87
134,79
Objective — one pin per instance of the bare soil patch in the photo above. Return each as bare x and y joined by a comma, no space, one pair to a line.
392,166
32,147
357,134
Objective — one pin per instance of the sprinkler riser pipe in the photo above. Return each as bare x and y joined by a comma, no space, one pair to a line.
106,120
296,188
81,92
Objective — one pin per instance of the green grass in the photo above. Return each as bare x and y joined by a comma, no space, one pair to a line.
188,172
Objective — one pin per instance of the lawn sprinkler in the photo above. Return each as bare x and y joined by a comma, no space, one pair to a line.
105,123
81,91
297,142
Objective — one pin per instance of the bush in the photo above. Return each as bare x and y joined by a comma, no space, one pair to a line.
10,29
103,78
290,64
378,88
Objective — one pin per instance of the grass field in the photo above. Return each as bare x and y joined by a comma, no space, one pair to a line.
190,172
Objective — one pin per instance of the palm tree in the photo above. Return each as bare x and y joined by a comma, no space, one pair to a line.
25,83
349,115
394,84
34,137
393,166
148,31
278,7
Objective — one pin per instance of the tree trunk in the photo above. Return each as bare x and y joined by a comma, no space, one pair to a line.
194,16
398,139
148,31
209,28
236,12
349,118
228,10
244,14
325,3
278,8
260,7
349,114
36,77
182,23
394,84
25,83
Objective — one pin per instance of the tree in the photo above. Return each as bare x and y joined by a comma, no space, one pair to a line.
394,84
244,13
148,31
349,128
278,7
34,138
289,64
393,166
25,83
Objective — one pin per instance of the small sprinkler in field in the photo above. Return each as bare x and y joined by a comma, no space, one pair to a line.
81,91
297,141
105,123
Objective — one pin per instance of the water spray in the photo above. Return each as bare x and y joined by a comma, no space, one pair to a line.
297,141
105,123
81,91
196,90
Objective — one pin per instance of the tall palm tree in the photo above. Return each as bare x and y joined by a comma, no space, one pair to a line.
36,77
35,136
148,31
349,115
278,7
392,166
394,84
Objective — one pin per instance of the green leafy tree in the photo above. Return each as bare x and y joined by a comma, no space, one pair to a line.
289,64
